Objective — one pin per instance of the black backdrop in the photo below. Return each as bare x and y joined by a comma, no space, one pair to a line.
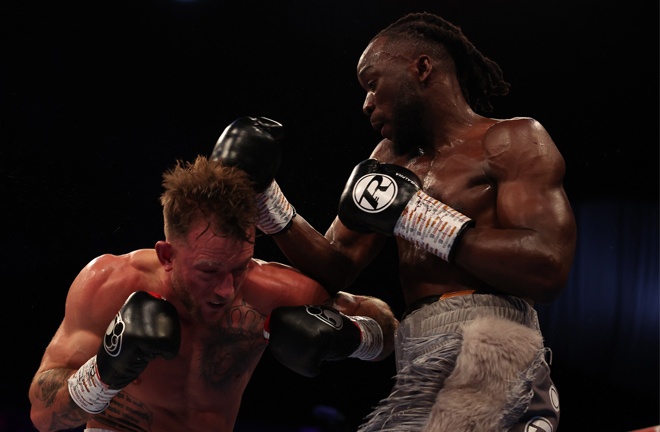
100,97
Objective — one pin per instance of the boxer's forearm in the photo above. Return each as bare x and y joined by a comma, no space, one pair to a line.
308,250
518,262
371,307
334,260
52,408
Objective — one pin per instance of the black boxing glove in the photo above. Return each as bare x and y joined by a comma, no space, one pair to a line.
253,145
375,196
302,337
388,199
145,328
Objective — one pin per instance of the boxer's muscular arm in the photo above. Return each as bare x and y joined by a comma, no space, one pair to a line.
336,259
304,337
51,406
529,253
252,144
93,299
388,199
288,286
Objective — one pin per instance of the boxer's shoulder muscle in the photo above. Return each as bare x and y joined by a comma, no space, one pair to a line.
272,284
102,286
520,142
93,299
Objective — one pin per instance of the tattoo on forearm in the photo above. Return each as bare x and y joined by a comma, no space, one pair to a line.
73,416
49,383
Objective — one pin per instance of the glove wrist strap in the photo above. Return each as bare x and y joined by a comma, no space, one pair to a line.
275,213
371,340
431,225
88,391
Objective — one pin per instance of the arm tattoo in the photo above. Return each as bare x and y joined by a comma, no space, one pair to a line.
50,383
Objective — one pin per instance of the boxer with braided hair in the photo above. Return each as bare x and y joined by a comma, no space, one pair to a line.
483,227
480,77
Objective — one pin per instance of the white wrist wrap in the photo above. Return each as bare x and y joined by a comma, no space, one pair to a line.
88,391
430,225
371,342
274,211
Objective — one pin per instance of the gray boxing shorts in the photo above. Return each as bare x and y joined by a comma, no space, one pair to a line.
469,362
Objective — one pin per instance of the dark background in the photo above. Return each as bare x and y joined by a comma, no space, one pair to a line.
99,98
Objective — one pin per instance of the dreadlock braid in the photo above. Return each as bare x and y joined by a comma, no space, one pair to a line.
480,77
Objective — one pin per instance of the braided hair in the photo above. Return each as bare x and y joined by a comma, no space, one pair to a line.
480,78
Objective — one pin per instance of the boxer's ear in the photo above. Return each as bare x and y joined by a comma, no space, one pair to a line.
424,67
164,252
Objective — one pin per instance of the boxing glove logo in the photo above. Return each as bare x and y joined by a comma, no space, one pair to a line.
329,316
113,336
538,424
373,193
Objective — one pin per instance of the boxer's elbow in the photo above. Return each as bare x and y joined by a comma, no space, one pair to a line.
49,404
550,279
40,418
38,413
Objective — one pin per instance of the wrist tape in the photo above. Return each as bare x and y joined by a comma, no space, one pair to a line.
371,340
274,211
88,391
431,225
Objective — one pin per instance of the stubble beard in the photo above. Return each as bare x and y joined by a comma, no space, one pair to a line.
408,113
179,288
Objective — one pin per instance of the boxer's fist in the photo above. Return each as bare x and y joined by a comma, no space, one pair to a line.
302,337
145,328
389,199
251,144
375,196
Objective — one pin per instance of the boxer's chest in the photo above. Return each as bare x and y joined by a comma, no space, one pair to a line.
233,347
455,176
216,356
